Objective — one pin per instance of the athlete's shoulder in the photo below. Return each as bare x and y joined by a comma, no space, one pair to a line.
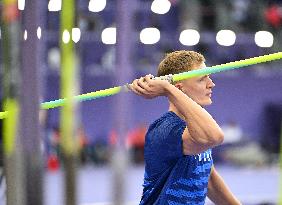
167,118
164,125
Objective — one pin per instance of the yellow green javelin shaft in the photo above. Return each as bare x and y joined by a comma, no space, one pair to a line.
175,78
227,66
84,97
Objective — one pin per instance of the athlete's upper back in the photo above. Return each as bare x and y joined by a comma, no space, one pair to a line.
171,177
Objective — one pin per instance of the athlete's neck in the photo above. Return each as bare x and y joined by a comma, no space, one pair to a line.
172,108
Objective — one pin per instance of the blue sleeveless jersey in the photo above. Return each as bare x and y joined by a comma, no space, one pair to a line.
172,178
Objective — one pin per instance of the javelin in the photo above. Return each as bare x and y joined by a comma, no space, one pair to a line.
173,78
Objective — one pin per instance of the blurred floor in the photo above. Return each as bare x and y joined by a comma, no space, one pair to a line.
253,186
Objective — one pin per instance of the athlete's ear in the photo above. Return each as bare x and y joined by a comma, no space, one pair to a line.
179,86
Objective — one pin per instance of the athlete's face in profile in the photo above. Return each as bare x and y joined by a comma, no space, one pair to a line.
199,88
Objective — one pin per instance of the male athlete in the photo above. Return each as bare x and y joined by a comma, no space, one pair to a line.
178,157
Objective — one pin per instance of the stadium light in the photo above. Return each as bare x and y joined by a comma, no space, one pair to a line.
66,36
264,39
39,32
25,35
54,58
226,37
21,4
160,6
150,35
97,5
108,35
189,37
75,34
55,5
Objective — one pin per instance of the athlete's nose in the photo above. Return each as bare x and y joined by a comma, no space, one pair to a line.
210,83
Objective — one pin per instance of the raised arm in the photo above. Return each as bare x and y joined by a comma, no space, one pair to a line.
202,131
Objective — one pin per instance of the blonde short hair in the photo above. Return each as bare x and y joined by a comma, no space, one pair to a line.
179,61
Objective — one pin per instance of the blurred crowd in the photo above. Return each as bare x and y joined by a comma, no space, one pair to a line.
244,17
97,151
211,15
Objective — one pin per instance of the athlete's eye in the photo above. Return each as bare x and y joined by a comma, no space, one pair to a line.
202,79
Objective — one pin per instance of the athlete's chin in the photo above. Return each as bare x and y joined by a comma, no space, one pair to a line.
206,102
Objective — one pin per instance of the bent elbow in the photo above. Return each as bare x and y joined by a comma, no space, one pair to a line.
218,138
211,139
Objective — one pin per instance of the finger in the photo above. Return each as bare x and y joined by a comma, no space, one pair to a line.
136,91
143,84
138,86
133,87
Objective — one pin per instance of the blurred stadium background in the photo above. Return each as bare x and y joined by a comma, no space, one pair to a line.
247,102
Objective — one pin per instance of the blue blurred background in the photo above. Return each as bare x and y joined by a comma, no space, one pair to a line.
248,98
